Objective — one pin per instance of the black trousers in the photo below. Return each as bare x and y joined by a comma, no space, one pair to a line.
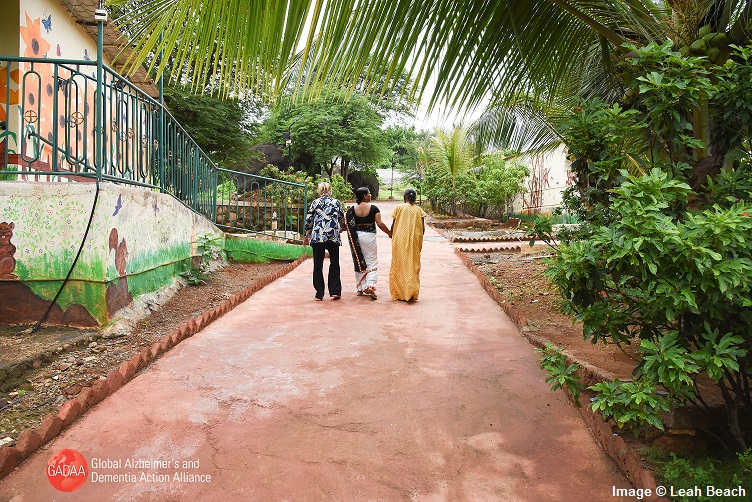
335,284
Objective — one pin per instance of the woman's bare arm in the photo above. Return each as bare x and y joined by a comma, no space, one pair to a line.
381,225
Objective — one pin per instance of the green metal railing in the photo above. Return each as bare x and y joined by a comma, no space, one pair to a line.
54,129
255,203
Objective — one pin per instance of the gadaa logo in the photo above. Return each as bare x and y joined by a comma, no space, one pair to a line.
67,470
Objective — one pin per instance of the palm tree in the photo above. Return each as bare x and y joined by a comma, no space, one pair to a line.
527,59
447,155
451,151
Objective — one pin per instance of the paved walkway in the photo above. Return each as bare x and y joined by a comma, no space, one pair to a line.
285,398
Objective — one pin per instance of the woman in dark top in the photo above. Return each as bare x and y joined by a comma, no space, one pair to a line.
362,220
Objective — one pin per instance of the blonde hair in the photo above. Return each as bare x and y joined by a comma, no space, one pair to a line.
325,188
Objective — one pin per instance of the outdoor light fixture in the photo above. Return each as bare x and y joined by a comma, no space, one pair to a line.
100,15
286,137
62,84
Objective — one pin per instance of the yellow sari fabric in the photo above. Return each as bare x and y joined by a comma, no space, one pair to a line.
407,243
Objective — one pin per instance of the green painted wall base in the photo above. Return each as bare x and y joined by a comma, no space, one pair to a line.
252,250
83,304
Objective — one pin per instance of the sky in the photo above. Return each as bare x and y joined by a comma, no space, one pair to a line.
443,117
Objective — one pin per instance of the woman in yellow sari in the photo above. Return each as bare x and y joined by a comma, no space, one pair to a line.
407,229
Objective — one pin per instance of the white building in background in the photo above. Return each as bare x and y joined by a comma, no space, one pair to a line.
550,176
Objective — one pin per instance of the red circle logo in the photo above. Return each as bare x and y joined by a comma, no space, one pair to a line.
67,470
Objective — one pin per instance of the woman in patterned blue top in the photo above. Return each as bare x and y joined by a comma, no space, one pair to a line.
323,225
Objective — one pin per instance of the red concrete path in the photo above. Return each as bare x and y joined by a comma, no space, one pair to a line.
285,398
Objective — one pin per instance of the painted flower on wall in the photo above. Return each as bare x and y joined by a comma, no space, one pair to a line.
36,46
37,88
12,98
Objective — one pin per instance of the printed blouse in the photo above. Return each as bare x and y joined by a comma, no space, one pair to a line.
324,220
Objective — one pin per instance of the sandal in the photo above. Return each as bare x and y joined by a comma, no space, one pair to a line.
336,297
370,291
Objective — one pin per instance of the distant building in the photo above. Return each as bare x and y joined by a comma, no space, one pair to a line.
550,176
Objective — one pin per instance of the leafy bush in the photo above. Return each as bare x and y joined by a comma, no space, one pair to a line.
681,284
271,171
493,184
656,261
341,189
226,189
680,473
686,473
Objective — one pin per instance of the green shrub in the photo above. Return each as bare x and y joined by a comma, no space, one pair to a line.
656,261
208,247
341,189
686,473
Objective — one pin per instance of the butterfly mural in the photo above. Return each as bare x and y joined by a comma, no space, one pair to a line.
118,205
59,52
86,55
47,23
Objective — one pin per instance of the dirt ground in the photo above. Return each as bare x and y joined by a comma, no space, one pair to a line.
53,364
520,279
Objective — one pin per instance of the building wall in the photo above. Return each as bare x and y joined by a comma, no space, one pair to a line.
550,176
9,40
47,100
138,241
57,32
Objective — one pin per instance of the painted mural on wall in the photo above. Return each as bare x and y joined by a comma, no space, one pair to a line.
137,242
7,251
19,303
46,231
549,177
8,91
44,224
46,91
118,295
537,183
36,251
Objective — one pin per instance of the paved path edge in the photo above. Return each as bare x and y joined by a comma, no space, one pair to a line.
32,439
626,458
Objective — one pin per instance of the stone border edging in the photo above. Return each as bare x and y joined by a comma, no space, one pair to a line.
31,439
485,238
626,458
500,248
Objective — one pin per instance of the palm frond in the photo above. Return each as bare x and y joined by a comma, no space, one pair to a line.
476,52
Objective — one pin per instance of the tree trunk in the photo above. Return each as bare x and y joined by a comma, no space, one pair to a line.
732,411
345,169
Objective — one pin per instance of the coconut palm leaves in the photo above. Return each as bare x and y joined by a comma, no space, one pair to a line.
245,44
452,151
476,52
